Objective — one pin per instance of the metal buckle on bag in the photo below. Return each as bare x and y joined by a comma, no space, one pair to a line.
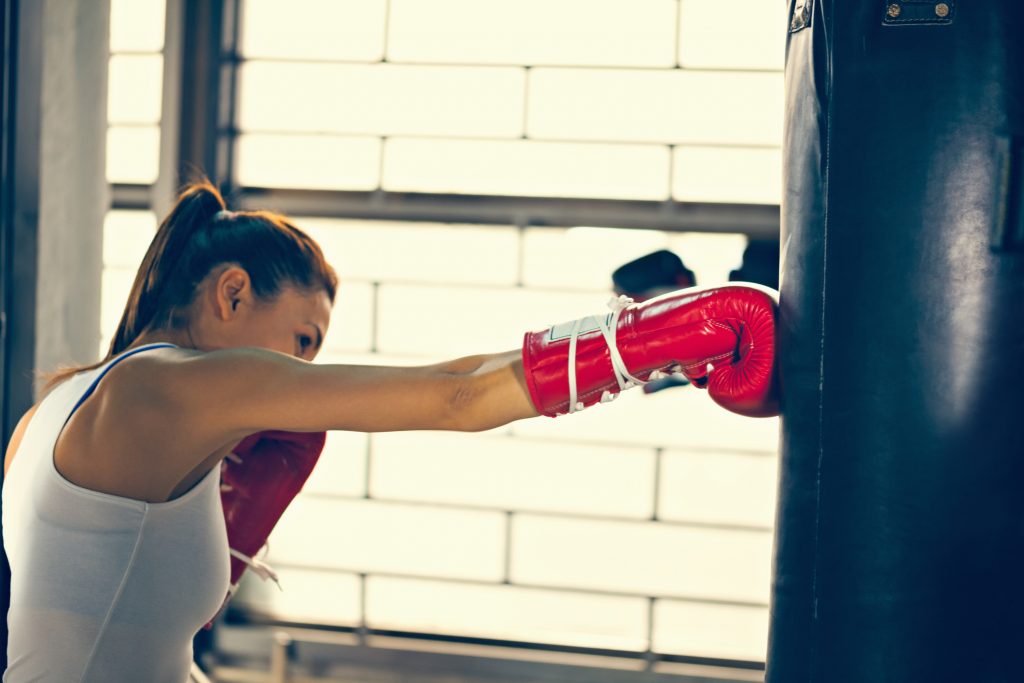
918,12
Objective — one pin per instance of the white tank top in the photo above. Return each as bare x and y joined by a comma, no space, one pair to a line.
104,588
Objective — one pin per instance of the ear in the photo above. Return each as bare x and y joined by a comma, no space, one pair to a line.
232,292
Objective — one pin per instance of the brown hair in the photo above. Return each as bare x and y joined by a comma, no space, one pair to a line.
198,235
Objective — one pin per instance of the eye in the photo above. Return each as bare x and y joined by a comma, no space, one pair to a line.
305,341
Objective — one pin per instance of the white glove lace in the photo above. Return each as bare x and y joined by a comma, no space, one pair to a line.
623,378
262,569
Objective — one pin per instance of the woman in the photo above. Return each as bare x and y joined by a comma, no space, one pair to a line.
112,515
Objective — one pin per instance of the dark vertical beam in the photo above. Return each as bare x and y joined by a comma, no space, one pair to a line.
19,217
201,39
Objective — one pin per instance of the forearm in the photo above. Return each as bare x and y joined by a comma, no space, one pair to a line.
494,390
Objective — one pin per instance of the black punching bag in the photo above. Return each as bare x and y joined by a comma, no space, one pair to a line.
900,533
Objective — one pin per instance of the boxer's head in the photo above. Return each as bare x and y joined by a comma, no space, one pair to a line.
217,279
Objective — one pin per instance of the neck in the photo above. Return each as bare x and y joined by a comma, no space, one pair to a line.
177,337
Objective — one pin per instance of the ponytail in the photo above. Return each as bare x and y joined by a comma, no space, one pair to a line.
198,235
196,207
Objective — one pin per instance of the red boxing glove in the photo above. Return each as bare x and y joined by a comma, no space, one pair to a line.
722,338
259,479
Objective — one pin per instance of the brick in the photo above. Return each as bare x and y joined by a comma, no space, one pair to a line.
569,32
718,487
313,29
511,473
134,89
699,630
368,536
382,99
733,175
740,34
666,106
431,252
645,558
507,613
320,162
540,169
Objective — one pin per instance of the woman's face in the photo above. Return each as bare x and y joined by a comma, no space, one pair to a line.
295,322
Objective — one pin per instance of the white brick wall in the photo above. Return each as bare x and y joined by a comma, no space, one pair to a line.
711,630
430,252
591,86
570,32
642,558
306,595
529,168
732,34
474,77
718,487
391,538
515,474
313,29
507,612
721,174
341,470
382,99
322,162
668,106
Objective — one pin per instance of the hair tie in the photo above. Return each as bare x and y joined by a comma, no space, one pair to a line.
223,213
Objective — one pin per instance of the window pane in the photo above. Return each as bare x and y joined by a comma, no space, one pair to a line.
313,29
133,154
134,89
127,235
137,25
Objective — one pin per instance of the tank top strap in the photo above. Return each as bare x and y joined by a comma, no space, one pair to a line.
110,366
